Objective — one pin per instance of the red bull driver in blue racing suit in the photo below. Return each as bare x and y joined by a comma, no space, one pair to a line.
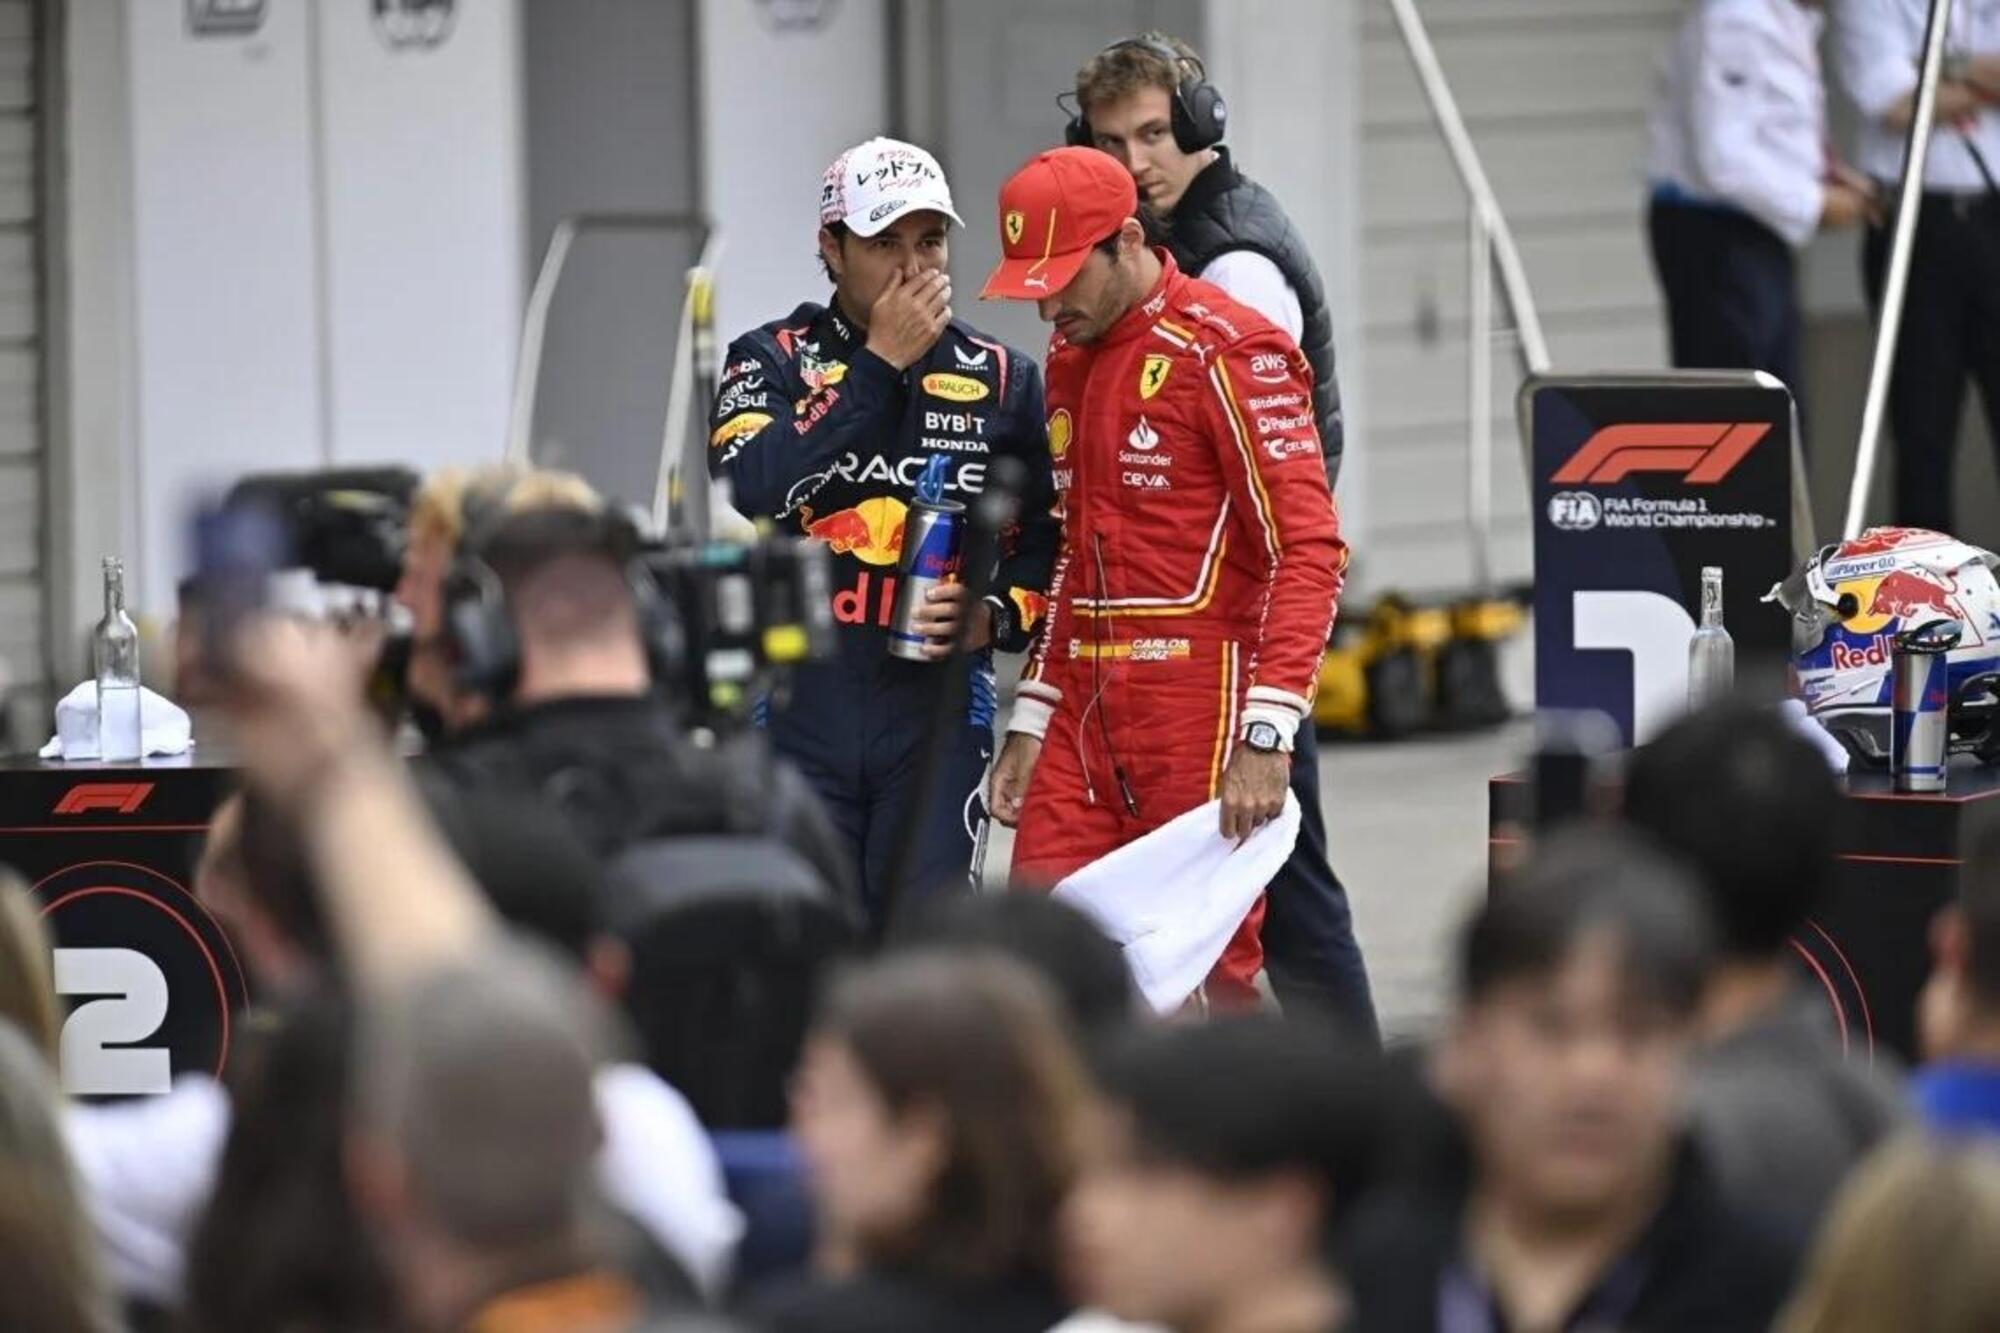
823,422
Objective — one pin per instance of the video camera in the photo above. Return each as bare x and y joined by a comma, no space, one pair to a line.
747,612
736,615
349,526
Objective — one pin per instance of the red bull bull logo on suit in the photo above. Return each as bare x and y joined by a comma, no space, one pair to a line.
871,532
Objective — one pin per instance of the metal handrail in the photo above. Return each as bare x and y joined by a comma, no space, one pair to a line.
1895,286
1491,246
1485,204
535,318
680,483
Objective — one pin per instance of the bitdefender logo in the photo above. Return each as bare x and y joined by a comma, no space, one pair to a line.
1703,453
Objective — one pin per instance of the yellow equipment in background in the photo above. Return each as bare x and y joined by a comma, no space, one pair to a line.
1404,666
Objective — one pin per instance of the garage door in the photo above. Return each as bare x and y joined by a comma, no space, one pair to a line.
22,509
1556,94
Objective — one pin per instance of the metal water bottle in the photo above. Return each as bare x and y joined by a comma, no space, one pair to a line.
933,535
1920,700
115,648
1711,652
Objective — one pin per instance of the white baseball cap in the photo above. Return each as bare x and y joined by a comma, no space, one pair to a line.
874,183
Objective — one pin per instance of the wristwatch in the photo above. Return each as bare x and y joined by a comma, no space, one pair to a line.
1264,737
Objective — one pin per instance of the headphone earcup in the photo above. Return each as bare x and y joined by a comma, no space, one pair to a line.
1076,133
661,629
1201,116
486,652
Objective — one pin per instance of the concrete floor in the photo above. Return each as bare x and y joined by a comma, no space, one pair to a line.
1407,828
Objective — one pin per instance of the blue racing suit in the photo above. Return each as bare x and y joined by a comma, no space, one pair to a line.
815,432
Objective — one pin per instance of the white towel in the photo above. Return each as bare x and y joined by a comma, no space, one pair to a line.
1173,898
164,725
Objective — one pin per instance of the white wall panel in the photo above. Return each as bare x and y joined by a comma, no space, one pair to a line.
421,197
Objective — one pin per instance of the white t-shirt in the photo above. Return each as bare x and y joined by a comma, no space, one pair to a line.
148,1168
1260,284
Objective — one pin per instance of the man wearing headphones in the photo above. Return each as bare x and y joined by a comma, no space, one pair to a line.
824,420
1147,101
545,615
437,526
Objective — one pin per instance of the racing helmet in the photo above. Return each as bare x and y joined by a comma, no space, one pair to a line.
1850,601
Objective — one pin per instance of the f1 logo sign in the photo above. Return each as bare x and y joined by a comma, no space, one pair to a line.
124,798
1703,453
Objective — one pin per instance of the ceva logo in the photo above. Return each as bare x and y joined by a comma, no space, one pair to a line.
1702,453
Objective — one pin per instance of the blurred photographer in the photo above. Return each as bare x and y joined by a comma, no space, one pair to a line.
448,503
548,620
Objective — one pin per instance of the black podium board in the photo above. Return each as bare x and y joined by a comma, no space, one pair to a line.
151,981
1868,949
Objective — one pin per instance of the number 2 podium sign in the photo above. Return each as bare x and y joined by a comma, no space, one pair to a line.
1639,482
149,980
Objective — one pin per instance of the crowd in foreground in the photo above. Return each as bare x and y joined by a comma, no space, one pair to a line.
1634,1118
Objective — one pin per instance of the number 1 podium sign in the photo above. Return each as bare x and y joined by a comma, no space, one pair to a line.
1640,481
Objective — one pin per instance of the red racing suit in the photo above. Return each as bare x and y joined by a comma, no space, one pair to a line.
1200,567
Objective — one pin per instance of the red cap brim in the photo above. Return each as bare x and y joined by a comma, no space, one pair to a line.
1033,279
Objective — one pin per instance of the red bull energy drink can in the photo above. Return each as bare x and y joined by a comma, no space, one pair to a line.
1920,699
933,536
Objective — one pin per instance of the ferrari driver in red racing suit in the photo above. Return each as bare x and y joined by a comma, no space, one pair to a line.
1201,557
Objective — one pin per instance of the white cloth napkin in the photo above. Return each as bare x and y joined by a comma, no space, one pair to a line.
1173,898
163,726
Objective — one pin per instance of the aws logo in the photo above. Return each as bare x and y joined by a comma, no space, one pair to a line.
955,388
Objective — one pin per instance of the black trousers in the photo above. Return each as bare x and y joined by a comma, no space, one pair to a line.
1310,954
1951,334
1731,285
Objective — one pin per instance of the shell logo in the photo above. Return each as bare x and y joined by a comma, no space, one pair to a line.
955,388
1060,430
738,427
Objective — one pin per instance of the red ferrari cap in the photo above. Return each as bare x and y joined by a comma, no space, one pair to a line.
1051,212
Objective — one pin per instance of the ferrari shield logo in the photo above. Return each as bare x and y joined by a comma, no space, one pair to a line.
1014,224
1153,374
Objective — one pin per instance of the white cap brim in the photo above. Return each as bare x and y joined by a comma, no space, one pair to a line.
873,220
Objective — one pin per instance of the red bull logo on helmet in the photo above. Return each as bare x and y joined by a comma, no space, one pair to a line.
1877,540
1904,593
1874,651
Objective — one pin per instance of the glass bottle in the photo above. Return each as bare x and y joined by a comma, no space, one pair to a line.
115,650
1711,652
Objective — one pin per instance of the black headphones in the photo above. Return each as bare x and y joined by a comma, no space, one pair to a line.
1200,116
479,629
